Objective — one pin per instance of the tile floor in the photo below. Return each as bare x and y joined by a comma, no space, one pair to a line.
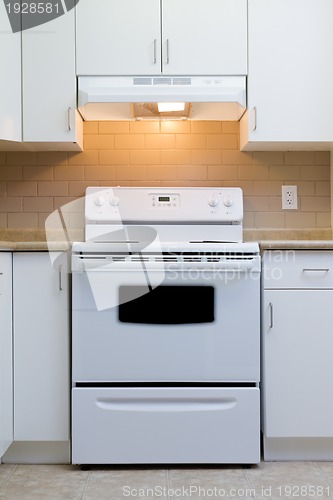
268,480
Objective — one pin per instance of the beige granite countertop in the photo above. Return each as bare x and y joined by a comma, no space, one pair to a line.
306,239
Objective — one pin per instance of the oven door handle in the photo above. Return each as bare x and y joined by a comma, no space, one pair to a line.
102,267
166,404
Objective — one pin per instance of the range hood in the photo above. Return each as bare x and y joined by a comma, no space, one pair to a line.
135,98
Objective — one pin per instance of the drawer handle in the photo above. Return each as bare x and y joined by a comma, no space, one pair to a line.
60,278
316,270
270,315
166,404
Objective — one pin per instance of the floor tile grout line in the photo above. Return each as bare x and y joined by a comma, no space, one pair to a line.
86,485
248,480
8,478
330,483
168,483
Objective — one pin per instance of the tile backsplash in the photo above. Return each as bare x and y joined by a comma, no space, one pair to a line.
169,153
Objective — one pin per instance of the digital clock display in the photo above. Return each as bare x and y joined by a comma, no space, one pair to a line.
164,198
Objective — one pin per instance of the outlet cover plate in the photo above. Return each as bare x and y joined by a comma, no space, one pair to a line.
289,197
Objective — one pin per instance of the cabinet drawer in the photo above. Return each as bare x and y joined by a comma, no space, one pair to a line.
297,269
165,425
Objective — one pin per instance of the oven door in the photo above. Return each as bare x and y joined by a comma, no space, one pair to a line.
170,323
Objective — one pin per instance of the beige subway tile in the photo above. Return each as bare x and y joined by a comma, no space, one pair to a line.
248,220
129,141
206,127
52,158
42,219
98,173
78,188
269,220
2,158
253,172
52,188
191,172
275,203
11,173
230,127
315,204
160,141
38,204
144,183
90,127
161,172
256,203
115,157
299,158
323,219
284,172
84,158
69,173
38,173
114,182
267,188
3,220
304,188
300,220
246,186
10,204
121,127
317,173
322,158
206,157
66,205
145,127
21,158
222,172
17,188
236,158
175,127
144,157
98,141
131,172
191,141
175,157
2,188
268,158
323,188
22,220
222,141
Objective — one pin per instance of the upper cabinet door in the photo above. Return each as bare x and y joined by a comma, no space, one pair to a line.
49,82
204,37
10,80
118,37
290,77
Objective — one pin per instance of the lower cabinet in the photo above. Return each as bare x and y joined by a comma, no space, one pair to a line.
297,347
41,322
6,347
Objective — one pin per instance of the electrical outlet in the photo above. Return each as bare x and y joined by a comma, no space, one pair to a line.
289,197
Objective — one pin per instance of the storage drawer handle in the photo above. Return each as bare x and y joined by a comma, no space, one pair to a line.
270,315
316,270
254,119
165,404
69,116
60,278
154,57
167,51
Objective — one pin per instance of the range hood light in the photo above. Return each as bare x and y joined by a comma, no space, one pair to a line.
167,107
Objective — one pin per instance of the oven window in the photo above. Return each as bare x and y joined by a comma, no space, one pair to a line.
166,305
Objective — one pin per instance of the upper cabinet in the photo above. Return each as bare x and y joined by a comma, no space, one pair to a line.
10,81
38,87
152,37
290,75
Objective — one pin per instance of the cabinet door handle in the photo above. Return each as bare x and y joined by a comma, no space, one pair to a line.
167,51
154,45
60,278
316,270
69,116
270,315
254,119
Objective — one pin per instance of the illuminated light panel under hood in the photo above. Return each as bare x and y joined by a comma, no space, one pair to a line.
133,98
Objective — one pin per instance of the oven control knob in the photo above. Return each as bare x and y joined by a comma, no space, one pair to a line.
99,201
227,202
114,201
212,201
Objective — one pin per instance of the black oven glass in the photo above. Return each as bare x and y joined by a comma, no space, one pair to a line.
166,304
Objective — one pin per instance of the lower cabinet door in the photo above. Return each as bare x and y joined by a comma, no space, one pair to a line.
165,425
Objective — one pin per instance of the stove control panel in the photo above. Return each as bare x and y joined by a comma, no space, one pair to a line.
146,204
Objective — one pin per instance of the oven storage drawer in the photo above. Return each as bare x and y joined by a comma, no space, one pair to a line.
165,425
